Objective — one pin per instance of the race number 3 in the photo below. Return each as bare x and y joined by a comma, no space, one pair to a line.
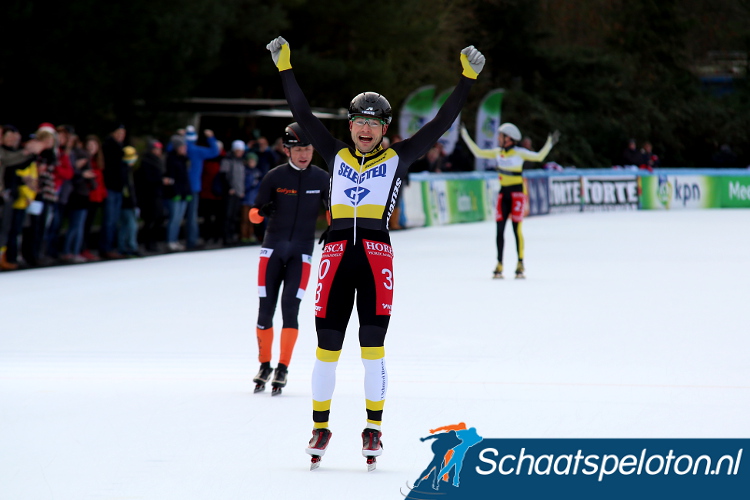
380,257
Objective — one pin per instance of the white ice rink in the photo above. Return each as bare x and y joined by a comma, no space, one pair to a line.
132,379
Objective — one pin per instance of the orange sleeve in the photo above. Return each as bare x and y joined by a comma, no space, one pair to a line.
255,217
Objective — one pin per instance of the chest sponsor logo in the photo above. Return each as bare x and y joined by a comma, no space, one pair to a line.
286,191
371,173
312,191
356,194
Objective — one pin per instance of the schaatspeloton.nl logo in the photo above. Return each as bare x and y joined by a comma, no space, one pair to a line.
466,465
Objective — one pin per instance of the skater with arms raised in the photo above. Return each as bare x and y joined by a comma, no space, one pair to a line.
357,257
511,200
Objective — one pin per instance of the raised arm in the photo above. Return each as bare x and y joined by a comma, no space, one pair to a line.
540,155
488,154
472,62
318,134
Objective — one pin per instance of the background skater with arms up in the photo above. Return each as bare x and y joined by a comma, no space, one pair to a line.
511,199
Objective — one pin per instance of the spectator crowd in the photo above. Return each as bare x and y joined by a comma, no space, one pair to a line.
71,199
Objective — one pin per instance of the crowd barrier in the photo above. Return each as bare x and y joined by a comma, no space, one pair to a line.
435,199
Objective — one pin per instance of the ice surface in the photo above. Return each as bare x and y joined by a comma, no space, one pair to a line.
133,379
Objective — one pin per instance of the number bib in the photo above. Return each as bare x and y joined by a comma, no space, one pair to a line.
380,257
518,201
329,262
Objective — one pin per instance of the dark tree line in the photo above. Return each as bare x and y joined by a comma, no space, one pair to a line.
599,70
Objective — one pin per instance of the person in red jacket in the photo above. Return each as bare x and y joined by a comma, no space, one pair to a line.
97,195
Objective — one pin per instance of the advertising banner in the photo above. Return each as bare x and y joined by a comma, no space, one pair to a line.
450,137
537,189
669,192
564,193
466,200
412,206
467,465
435,198
488,120
417,110
608,193
491,190
733,192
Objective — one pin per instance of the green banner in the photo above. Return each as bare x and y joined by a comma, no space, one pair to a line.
672,192
466,200
452,201
734,192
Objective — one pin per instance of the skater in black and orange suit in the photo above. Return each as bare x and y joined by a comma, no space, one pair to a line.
290,196
357,257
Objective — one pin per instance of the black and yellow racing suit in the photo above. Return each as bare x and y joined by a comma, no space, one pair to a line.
357,256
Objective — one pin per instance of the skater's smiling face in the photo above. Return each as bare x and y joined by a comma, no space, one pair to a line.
367,132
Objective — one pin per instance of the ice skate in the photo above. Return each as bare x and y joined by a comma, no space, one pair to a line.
498,272
372,447
520,271
279,379
317,446
262,377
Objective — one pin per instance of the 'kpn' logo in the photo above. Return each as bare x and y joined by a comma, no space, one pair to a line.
664,191
443,474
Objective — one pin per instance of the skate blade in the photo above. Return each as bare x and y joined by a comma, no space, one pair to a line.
276,391
520,277
497,277
371,464
315,462
259,388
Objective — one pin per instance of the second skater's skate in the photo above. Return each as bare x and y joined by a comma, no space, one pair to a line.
279,379
262,377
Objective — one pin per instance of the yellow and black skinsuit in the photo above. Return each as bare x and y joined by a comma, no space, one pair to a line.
510,168
357,257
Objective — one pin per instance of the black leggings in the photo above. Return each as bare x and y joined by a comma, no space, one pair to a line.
505,209
285,262
354,276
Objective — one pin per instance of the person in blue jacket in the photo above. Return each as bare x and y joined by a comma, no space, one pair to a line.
196,154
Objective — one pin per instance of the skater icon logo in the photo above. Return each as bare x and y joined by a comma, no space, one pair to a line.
443,474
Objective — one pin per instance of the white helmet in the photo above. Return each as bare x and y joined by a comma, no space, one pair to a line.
510,130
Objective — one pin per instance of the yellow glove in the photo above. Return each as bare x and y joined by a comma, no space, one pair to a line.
279,48
472,61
